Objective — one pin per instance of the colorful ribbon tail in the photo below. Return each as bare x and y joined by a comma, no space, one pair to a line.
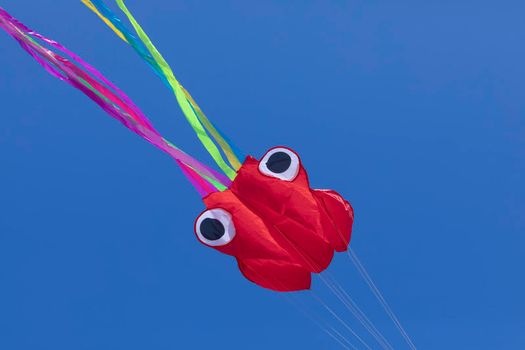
109,97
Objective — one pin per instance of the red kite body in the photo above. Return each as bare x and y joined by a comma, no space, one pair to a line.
277,227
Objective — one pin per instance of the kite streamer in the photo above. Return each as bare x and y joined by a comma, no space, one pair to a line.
153,58
110,98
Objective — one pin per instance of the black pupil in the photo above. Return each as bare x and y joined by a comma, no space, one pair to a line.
212,229
279,162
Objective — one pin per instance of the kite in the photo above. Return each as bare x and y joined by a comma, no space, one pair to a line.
279,230
262,212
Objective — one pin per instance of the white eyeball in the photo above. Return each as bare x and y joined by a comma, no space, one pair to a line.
281,163
215,227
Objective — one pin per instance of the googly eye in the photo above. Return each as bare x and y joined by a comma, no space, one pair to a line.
281,163
215,227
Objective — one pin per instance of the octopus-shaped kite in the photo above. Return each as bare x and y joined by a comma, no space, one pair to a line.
262,212
278,229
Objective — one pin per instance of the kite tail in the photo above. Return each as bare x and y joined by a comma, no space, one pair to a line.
110,98
154,59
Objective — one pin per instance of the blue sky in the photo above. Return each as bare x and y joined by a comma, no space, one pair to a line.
413,111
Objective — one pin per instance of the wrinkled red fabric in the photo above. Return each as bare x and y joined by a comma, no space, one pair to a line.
284,229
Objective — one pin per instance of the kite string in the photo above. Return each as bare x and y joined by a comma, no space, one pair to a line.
349,303
333,330
337,317
352,306
377,293
316,297
323,328
362,271
334,335
314,266
297,305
